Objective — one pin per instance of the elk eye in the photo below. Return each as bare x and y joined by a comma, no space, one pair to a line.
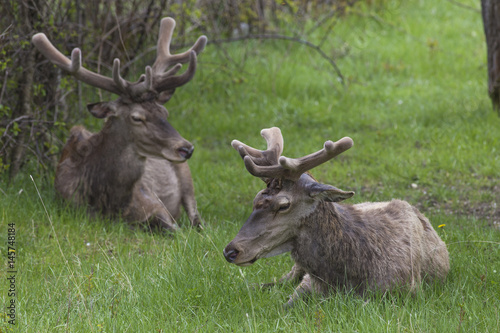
136,118
284,207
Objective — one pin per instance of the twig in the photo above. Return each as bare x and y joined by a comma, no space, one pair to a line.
141,55
288,38
291,39
258,36
381,21
120,35
459,4
12,122
338,9
327,33
229,58
323,20
4,85
6,31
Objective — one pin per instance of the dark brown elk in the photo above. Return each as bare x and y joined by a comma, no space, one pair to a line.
135,166
375,246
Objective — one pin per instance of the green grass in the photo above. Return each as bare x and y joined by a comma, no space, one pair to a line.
416,106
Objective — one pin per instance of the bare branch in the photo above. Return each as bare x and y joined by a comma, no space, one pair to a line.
459,4
257,36
4,85
12,122
291,39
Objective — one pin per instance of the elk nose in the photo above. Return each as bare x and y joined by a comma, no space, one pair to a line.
186,152
231,255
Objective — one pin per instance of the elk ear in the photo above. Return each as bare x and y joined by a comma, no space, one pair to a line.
101,109
328,193
165,96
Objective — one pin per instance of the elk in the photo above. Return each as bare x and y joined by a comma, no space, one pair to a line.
135,167
379,246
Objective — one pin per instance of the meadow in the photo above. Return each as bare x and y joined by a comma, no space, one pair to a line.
415,103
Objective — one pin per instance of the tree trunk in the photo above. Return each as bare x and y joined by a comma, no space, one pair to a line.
24,108
491,21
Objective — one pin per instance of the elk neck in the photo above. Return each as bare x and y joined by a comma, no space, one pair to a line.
112,169
319,243
324,224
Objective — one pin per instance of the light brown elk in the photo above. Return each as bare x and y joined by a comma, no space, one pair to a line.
135,166
375,246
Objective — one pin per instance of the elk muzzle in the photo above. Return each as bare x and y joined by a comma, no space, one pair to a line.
177,150
234,256
185,152
231,255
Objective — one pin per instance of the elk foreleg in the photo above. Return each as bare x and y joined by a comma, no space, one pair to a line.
303,289
146,206
187,194
164,220
296,274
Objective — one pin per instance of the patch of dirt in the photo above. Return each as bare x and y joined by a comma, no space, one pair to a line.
488,211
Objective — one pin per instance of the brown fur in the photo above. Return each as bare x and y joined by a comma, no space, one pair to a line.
110,173
134,166
360,247
369,246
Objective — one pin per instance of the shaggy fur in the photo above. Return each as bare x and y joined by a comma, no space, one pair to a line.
109,172
375,246
370,246
134,166
378,246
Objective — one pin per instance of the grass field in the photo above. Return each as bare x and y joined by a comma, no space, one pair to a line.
416,106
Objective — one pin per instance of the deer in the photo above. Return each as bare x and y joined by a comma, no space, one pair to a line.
135,166
370,246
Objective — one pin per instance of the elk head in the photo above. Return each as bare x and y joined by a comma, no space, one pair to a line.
138,113
290,197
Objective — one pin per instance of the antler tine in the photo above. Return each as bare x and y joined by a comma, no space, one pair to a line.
263,163
267,157
139,89
245,150
300,165
164,58
264,171
274,140
268,164
169,81
73,66
117,78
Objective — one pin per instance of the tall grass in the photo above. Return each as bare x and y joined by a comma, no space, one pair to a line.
416,106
